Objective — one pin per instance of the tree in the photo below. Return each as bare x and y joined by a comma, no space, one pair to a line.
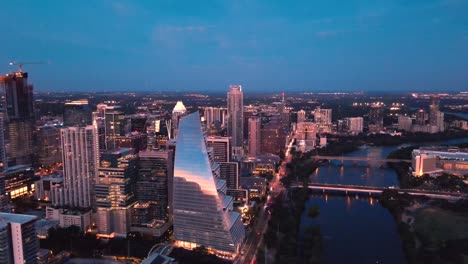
313,211
202,250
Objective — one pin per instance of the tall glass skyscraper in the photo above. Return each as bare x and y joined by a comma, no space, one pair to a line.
202,212
235,103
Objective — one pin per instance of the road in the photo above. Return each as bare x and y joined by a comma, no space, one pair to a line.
255,237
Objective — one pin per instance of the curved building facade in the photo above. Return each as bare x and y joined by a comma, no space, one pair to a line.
202,212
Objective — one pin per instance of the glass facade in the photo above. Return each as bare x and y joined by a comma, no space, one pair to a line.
202,211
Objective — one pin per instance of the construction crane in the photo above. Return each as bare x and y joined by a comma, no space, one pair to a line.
20,64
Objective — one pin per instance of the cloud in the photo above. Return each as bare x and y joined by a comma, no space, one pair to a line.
124,9
326,33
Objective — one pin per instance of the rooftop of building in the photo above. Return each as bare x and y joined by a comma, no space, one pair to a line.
179,108
17,218
18,168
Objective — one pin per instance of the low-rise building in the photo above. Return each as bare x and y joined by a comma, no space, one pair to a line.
68,217
433,160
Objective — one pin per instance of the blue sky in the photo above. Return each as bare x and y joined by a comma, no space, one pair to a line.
168,45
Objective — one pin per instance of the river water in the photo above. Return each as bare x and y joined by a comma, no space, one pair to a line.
358,229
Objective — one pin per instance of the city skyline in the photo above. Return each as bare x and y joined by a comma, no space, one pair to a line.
184,46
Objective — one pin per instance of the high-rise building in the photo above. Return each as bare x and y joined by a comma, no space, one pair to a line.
221,148
306,135
215,114
405,123
221,152
376,115
80,155
229,171
203,213
301,116
437,119
77,113
355,124
3,165
115,191
323,116
114,127
154,185
178,112
235,103
18,239
49,150
254,136
421,117
18,115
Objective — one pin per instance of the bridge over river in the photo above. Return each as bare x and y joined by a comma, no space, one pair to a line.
342,158
377,191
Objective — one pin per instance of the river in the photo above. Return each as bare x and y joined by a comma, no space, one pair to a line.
358,229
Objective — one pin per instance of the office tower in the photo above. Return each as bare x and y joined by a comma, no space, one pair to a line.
270,141
301,116
202,212
235,102
115,191
18,115
405,123
323,116
18,239
213,114
254,136
178,112
77,113
421,117
80,157
355,124
221,148
155,176
19,181
114,126
49,150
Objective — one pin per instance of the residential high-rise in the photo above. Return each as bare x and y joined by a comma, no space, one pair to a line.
376,115
18,239
355,124
221,150
405,123
80,155
115,191
18,115
301,116
421,117
49,150
154,185
203,213
235,103
213,114
77,113
323,116
254,136
178,112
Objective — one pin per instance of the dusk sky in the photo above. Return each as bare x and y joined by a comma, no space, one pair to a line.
168,45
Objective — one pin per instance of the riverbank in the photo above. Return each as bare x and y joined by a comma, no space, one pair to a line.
432,231
445,182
